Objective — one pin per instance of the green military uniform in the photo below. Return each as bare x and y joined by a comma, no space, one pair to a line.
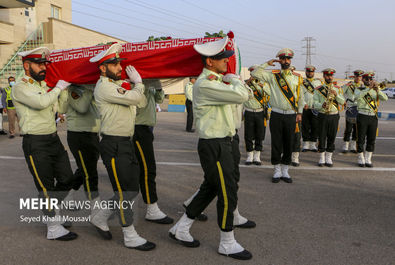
255,115
44,153
367,101
309,118
117,108
212,104
143,139
351,113
83,124
328,119
188,104
283,116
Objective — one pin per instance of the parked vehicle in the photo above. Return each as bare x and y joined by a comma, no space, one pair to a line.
390,92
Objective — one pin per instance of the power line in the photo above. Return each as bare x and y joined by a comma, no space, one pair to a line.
235,21
111,12
115,21
348,71
308,48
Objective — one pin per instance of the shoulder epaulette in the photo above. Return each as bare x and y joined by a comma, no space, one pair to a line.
276,71
297,74
212,77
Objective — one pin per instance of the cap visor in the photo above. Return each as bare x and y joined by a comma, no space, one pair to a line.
224,54
114,60
38,60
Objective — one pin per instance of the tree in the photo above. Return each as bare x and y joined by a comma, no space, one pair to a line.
152,38
220,34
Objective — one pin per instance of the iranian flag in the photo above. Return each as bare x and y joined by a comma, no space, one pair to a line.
154,59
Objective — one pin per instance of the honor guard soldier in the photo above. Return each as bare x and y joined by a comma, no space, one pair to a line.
238,220
83,124
45,155
351,112
117,101
188,103
143,139
327,100
255,115
309,118
212,101
286,100
367,99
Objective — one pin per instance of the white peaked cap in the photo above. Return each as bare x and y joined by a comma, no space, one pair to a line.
111,54
212,48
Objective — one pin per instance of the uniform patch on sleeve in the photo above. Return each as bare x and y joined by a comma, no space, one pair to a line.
121,90
212,77
74,95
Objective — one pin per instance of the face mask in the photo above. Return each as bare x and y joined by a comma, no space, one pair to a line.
12,83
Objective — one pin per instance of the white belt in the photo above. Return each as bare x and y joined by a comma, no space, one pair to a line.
254,110
283,111
368,113
330,113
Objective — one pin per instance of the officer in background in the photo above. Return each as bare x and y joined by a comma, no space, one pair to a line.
309,118
83,124
2,107
212,100
188,103
286,100
45,155
327,100
143,139
255,122
10,108
367,99
351,112
117,101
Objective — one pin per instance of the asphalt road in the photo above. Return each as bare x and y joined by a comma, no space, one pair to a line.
339,215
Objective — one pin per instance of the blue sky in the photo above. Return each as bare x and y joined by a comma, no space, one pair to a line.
349,32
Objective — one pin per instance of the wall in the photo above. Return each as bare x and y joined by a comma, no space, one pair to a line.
64,35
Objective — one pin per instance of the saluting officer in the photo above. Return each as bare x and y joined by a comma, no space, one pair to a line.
286,99
117,101
327,99
212,101
309,118
83,124
255,112
45,155
351,112
367,99
143,139
188,103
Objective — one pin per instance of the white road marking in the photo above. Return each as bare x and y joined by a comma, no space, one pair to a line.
377,138
297,168
392,169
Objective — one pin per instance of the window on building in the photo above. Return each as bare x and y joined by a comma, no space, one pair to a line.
56,12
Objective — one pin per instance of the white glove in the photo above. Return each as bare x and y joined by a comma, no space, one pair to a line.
228,78
62,84
133,75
